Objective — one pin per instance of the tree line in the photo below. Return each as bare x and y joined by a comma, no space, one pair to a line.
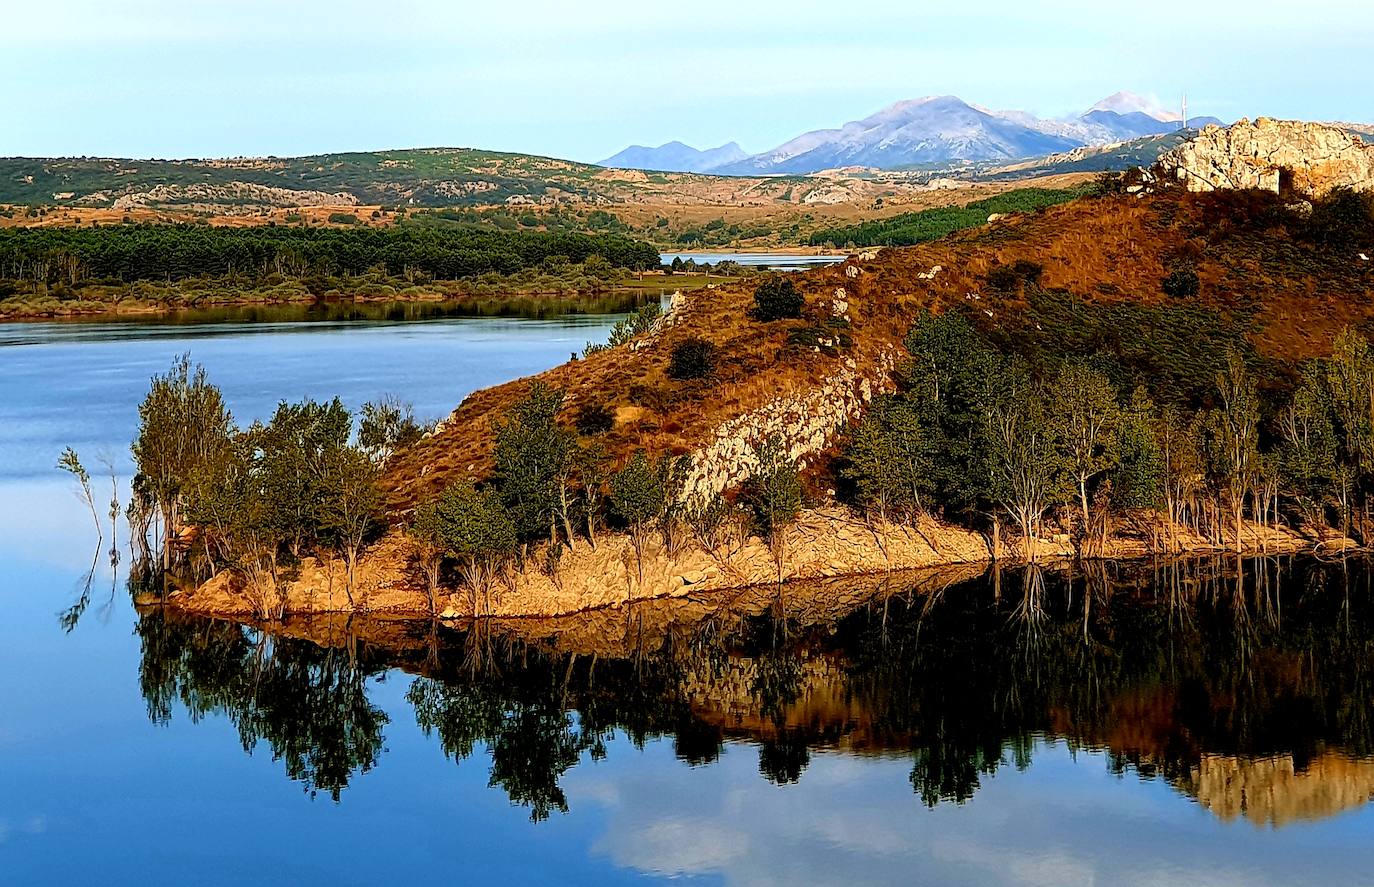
989,436
122,253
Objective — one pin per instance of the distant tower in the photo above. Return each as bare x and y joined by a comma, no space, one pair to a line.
1185,110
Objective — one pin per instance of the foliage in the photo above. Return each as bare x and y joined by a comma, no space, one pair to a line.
1182,283
533,457
911,228
890,458
1342,219
776,298
692,358
469,525
388,425
51,255
773,492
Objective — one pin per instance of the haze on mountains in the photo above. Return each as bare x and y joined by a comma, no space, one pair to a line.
933,129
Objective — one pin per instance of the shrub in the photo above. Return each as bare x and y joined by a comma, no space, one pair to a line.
1027,270
1182,283
594,419
692,359
1003,279
1341,220
776,298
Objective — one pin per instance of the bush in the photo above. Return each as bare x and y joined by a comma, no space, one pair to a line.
1027,270
1003,279
594,419
776,298
1343,219
692,359
1182,283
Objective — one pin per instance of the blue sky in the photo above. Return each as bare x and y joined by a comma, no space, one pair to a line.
156,78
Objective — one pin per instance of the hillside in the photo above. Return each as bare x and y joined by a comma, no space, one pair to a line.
1103,262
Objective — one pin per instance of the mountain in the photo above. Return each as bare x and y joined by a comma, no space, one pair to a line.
675,157
930,130
1125,103
926,130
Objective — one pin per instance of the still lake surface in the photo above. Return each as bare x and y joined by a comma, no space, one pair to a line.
1170,725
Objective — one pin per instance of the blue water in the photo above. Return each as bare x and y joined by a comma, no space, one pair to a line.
92,790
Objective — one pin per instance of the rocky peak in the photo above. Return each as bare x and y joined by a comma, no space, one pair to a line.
1263,154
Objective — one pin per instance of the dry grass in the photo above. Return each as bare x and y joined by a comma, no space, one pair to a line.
1114,249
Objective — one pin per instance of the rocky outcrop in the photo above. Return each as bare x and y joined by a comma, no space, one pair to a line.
236,193
804,424
1263,154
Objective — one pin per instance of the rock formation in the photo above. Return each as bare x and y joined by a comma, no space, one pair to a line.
1312,158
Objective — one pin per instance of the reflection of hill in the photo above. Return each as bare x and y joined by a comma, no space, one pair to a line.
1182,674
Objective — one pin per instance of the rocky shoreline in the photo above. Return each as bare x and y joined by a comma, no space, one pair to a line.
825,544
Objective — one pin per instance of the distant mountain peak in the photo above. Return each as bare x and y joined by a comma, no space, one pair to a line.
1127,102
675,156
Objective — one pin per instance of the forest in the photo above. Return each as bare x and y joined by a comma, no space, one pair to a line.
71,257
924,225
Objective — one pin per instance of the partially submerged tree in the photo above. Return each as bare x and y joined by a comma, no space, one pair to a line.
183,424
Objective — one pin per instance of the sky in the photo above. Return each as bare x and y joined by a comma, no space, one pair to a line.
204,78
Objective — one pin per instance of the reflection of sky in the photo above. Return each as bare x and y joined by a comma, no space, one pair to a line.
852,820
91,792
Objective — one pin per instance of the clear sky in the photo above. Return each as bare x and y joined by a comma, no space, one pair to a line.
581,78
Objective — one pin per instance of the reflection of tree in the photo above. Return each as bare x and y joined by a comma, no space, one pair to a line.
1158,669
308,703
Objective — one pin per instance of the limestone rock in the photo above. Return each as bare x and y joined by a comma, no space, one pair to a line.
1260,154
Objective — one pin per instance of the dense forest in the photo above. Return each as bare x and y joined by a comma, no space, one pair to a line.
73,256
908,229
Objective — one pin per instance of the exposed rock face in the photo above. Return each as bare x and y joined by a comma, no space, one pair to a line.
1256,155
805,424
232,193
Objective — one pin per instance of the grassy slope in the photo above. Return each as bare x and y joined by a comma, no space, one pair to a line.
1110,253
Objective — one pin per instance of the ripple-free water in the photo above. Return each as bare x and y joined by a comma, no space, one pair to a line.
1132,727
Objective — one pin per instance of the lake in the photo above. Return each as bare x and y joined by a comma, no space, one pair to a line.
1200,723
773,261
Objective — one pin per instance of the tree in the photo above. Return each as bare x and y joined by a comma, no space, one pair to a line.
1308,455
773,495
638,495
183,424
1233,435
1028,473
533,455
776,298
350,505
692,358
387,425
889,458
474,528
1086,422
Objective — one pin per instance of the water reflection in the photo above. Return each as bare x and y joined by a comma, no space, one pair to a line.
1244,686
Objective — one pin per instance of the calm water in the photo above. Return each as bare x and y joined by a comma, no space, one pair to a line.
775,261
1131,726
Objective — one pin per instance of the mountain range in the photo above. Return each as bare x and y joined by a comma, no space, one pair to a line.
934,129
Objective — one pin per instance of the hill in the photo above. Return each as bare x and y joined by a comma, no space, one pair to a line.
1101,265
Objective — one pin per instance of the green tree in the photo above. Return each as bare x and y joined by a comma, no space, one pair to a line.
1086,423
533,456
1028,472
387,425
773,495
475,529
183,424
889,458
349,512
639,495
776,298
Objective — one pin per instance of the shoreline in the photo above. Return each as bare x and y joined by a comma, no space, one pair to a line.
828,544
